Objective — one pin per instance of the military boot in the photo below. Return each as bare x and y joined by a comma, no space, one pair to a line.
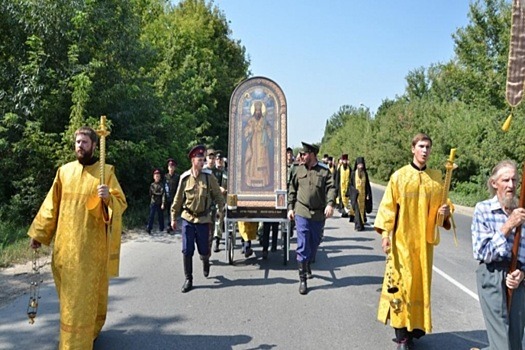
303,289
309,274
205,265
188,272
217,242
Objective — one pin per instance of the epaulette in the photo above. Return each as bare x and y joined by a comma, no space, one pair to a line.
185,174
323,165
207,171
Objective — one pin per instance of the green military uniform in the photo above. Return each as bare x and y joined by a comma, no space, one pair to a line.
222,178
311,190
171,183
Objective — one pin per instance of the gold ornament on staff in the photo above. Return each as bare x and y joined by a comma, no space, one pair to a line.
102,132
440,218
395,303
449,166
34,290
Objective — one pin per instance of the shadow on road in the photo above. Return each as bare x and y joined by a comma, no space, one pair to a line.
147,333
454,340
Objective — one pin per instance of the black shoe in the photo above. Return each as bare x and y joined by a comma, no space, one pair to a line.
216,248
352,218
148,231
248,252
303,289
344,215
265,254
187,286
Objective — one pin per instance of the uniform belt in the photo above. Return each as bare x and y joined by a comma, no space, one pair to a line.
194,214
504,264
310,209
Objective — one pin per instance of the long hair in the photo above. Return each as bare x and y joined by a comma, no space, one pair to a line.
494,173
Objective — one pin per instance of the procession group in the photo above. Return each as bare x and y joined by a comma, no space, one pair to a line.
86,233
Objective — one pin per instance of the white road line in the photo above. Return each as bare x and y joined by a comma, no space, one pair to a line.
456,283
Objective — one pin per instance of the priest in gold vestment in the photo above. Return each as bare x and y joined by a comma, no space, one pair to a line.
406,219
86,245
258,134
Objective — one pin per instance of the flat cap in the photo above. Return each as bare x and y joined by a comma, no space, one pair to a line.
172,161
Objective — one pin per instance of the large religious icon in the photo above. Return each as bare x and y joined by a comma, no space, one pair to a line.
257,142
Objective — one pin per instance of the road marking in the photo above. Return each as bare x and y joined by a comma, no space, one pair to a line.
456,283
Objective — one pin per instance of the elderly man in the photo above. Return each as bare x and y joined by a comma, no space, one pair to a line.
493,226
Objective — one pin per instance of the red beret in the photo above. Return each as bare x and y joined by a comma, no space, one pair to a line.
157,171
171,161
197,151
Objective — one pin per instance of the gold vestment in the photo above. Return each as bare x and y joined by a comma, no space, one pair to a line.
360,185
258,133
81,262
344,176
408,209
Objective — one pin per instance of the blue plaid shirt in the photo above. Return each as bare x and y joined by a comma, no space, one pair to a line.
488,242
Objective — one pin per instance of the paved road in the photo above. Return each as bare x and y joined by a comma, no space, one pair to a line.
255,304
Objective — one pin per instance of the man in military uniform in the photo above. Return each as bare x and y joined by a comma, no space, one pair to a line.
311,199
211,161
171,183
198,188
222,178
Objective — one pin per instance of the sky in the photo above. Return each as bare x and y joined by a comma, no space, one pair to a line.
328,53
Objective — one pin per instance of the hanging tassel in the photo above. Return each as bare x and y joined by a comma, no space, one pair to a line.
506,125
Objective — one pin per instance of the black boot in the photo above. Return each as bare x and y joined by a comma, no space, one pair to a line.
206,266
188,272
303,289
217,242
309,274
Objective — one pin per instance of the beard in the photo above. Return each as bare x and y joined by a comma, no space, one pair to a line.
510,202
85,157
360,173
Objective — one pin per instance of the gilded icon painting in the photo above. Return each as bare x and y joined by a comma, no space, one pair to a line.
257,142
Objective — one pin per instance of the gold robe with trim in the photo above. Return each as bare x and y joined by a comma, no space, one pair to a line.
344,180
408,210
81,262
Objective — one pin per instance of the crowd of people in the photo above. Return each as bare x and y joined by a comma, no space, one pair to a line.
83,210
